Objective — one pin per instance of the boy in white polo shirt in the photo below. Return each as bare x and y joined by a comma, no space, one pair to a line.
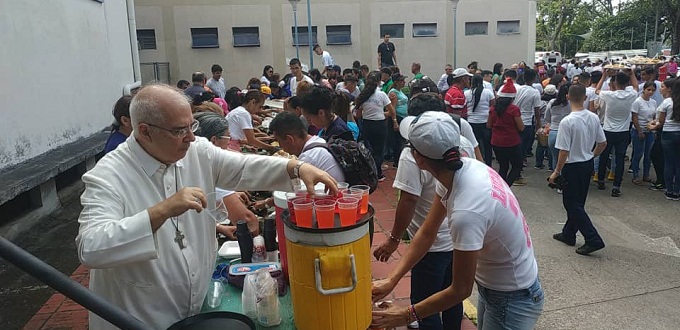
578,132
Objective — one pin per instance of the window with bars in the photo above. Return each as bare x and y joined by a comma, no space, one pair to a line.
394,30
508,27
204,38
424,30
246,36
146,39
476,28
303,36
338,34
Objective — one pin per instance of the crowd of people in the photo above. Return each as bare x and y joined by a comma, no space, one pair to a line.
143,241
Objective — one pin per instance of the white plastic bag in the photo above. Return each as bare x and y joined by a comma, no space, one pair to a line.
249,296
267,299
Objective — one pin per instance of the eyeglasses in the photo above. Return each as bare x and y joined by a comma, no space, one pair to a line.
180,132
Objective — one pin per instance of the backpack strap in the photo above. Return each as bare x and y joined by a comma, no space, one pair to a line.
315,145
456,118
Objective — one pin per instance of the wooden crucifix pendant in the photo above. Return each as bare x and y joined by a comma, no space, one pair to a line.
179,239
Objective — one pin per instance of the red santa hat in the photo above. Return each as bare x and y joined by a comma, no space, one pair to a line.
508,89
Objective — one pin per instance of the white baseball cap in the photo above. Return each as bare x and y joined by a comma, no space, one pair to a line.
460,72
432,133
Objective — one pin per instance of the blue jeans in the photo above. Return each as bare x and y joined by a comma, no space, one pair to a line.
640,148
671,152
513,310
483,136
618,142
527,136
429,276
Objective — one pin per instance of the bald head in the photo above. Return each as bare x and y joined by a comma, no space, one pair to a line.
154,103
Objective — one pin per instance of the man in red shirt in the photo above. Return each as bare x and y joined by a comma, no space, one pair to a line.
455,99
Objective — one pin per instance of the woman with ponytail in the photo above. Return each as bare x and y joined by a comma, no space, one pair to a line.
505,122
373,107
669,122
122,125
479,100
490,237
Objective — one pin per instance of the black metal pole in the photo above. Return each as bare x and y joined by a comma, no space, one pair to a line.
70,288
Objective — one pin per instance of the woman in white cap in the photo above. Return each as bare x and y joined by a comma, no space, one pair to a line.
491,240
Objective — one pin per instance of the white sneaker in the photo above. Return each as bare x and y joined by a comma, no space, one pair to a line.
413,325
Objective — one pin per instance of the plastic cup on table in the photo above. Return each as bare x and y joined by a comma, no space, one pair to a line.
303,208
348,210
363,206
325,213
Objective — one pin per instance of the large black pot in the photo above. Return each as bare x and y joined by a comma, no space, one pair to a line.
114,314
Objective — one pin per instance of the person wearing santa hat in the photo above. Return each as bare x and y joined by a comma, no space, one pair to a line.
505,122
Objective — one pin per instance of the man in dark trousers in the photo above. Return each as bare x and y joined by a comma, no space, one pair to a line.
578,132
387,54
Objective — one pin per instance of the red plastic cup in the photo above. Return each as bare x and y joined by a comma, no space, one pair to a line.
325,213
363,206
347,207
303,212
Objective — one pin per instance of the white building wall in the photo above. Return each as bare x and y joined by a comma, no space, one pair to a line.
275,20
64,64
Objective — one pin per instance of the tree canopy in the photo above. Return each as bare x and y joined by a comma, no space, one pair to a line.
572,26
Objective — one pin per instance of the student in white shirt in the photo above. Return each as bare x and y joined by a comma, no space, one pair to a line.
216,82
617,126
149,247
241,122
291,135
669,120
479,100
644,111
578,132
296,70
491,240
443,84
326,59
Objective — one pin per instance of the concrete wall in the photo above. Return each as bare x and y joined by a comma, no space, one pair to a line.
173,20
64,64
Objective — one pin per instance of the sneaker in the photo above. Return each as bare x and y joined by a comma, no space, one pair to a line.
413,325
588,248
600,185
657,187
630,170
671,196
539,167
560,237
610,177
594,177
520,182
384,167
616,192
381,179
559,191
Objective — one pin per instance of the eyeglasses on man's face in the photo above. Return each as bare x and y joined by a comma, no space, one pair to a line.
179,132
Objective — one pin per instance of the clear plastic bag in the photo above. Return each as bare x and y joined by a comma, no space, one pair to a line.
249,296
267,299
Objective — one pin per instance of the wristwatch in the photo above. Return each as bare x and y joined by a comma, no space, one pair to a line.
296,170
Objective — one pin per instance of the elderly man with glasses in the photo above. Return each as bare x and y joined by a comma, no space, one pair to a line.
143,233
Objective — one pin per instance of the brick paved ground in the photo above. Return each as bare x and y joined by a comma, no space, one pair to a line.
62,313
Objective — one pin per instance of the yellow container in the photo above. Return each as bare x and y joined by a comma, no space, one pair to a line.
330,277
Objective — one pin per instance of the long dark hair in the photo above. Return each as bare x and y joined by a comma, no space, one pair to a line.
561,98
369,88
497,69
502,104
675,95
477,89
340,104
266,68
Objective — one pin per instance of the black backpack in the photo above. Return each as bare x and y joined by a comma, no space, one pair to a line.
354,158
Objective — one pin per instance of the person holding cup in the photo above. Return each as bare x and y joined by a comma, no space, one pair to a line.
491,241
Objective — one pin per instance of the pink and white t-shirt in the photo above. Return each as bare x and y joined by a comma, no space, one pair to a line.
486,217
